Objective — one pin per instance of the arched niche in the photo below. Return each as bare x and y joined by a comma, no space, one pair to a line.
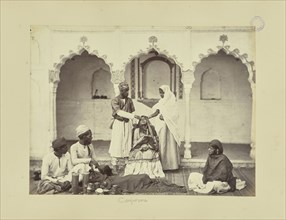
101,86
210,85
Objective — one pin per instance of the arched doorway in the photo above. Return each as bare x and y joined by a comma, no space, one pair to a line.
83,96
147,72
221,100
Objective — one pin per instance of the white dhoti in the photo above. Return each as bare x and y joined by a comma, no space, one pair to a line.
121,136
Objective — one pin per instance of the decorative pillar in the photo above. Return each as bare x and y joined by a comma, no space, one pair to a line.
175,81
139,82
171,79
132,77
141,72
188,79
54,81
187,152
253,122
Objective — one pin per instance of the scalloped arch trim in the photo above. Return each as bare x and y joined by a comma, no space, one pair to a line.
235,53
156,49
81,49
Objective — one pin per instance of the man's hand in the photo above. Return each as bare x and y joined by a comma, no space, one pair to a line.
137,117
65,185
119,118
94,162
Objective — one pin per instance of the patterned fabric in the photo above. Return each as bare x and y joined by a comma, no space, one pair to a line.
48,187
144,156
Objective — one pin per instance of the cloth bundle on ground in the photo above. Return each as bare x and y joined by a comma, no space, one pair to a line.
140,183
195,183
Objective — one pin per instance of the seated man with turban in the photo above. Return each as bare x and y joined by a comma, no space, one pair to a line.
82,152
56,167
217,174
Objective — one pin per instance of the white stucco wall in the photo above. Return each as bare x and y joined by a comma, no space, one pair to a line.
51,46
40,111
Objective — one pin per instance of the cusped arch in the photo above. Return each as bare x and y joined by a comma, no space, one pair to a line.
164,55
151,49
235,53
63,58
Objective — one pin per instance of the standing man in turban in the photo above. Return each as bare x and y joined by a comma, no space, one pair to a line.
122,109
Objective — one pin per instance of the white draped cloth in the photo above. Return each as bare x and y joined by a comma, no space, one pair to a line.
121,135
195,183
167,129
169,110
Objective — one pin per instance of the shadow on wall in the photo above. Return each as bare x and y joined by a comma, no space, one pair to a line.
83,96
221,100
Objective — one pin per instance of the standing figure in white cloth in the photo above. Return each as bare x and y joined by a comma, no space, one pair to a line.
122,112
167,128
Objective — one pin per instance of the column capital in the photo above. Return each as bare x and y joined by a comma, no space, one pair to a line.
116,89
188,78
54,76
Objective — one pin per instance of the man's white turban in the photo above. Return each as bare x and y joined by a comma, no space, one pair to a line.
81,129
